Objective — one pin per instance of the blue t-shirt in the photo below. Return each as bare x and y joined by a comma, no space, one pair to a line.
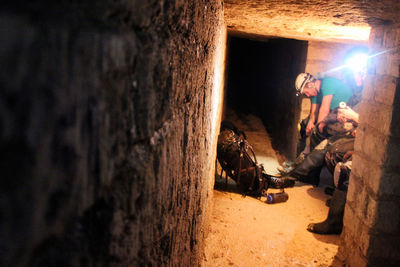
331,86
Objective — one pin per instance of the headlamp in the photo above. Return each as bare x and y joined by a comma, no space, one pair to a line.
358,62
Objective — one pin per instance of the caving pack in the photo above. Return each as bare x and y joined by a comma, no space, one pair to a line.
238,160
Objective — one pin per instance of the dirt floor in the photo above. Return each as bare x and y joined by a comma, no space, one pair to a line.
245,231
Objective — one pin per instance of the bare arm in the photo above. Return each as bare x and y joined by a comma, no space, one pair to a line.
324,110
325,107
313,117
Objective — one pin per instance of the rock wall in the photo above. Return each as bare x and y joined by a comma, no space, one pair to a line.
327,57
371,233
109,114
320,20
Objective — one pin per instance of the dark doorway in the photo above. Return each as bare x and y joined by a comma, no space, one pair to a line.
260,80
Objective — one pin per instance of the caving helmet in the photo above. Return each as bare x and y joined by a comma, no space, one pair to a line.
301,81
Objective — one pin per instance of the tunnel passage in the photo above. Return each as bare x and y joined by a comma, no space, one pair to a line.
260,78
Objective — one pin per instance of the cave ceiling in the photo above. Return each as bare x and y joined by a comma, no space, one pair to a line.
329,20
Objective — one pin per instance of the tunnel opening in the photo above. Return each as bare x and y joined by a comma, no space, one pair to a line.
260,76
259,81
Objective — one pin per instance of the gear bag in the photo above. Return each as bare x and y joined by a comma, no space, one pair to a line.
237,159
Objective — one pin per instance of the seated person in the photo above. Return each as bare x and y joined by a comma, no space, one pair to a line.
308,170
338,125
326,94
331,128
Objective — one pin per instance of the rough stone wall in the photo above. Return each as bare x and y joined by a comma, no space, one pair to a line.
329,20
371,234
325,57
107,130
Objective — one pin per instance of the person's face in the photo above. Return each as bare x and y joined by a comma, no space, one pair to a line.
310,89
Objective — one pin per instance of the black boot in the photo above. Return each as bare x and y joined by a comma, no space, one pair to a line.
309,169
334,223
279,182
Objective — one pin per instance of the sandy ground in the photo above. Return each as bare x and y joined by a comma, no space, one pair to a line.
245,231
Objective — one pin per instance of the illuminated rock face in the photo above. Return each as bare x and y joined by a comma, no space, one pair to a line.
311,19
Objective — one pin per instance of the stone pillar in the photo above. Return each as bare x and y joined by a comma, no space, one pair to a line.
371,234
109,117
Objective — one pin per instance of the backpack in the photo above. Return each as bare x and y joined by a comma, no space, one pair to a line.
238,160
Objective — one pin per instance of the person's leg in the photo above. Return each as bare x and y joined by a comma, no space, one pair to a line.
316,138
334,222
344,175
308,170
313,176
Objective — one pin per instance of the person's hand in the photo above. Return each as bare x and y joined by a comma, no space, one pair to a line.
310,126
340,117
321,126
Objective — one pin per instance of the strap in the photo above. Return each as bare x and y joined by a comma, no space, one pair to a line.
244,145
242,148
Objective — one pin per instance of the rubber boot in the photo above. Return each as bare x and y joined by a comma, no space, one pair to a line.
309,169
279,182
334,223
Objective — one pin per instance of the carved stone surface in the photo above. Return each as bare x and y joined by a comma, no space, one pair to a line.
106,133
309,19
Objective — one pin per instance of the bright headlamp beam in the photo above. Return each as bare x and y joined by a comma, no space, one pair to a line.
360,56
358,62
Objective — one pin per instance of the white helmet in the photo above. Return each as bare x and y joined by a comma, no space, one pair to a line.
301,81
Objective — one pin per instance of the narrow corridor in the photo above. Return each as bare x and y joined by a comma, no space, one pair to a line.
248,232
